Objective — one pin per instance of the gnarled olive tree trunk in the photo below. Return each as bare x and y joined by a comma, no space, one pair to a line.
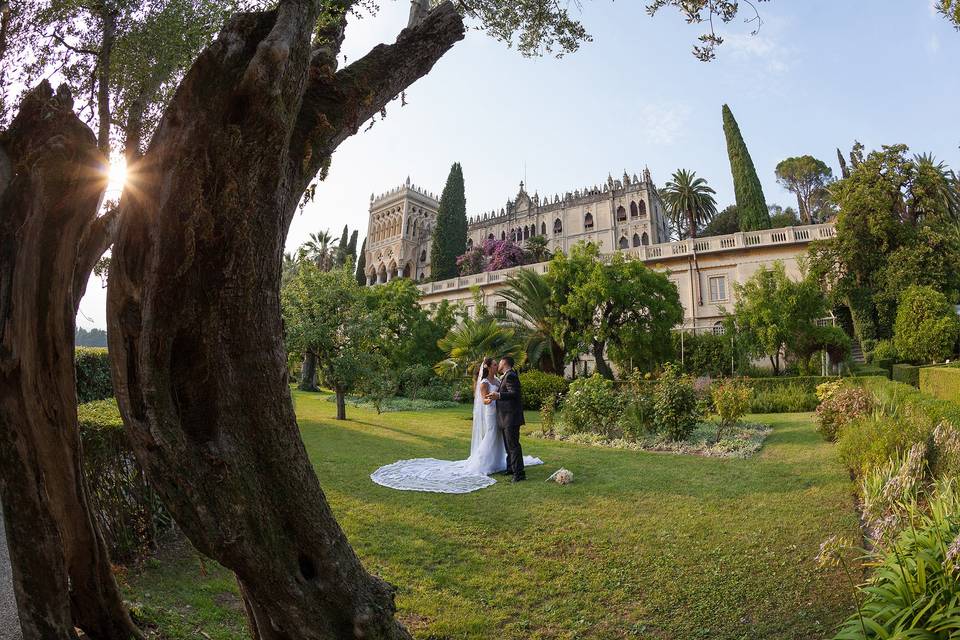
196,337
50,237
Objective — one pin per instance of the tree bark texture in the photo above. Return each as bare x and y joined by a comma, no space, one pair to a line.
50,237
308,372
603,368
195,329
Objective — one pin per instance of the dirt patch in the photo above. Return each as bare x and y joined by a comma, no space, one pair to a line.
228,600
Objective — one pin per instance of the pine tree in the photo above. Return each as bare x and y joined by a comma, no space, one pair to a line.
450,234
751,205
362,264
352,247
341,256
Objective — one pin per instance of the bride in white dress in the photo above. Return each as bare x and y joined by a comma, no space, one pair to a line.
487,452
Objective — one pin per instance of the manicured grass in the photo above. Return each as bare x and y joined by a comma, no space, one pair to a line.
641,545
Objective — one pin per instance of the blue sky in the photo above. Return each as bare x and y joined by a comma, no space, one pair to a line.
819,74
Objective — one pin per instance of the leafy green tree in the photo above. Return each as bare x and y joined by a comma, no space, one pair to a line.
325,313
773,314
530,294
950,9
689,201
361,271
352,247
340,253
927,326
807,178
450,233
623,306
409,332
727,221
751,204
780,217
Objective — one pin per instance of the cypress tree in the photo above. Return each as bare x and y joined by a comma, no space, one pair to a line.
352,247
362,263
341,256
450,234
751,206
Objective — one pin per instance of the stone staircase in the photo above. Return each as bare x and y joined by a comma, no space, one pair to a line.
856,352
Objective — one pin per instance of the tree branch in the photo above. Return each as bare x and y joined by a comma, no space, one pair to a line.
80,50
334,106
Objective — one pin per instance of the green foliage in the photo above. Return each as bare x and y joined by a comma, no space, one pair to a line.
548,415
884,354
538,319
379,386
637,420
705,353
90,338
689,202
361,270
780,217
906,373
808,384
93,374
414,378
131,516
731,401
788,398
927,326
674,405
592,405
941,382
751,205
538,387
725,222
450,233
774,314
475,338
409,332
807,178
838,406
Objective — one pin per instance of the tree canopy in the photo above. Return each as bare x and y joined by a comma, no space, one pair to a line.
751,205
807,178
450,232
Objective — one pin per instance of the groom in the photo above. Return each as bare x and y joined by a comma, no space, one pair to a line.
510,417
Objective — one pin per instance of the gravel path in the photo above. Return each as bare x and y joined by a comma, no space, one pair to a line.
9,623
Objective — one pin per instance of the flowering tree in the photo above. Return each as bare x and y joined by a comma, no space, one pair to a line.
491,255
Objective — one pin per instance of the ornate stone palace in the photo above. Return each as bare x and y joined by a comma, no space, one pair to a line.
620,214
623,215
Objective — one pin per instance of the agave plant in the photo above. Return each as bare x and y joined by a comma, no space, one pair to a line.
468,343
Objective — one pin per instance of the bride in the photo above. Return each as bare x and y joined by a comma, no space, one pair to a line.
487,452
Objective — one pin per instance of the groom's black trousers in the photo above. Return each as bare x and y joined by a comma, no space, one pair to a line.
511,440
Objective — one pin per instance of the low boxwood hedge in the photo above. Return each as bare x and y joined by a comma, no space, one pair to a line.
93,374
941,382
906,373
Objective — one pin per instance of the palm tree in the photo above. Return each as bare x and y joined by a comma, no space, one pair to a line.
941,183
538,321
689,201
538,249
317,250
468,343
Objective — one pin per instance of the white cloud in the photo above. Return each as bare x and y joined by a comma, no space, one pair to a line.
933,43
663,123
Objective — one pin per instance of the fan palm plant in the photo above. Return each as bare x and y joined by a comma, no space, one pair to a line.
317,250
538,249
689,201
468,343
537,319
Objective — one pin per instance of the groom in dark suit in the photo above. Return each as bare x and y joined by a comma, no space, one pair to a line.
510,417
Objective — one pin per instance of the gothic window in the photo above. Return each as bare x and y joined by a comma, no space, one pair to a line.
503,235
643,208
513,235
423,256
636,240
543,228
645,240
588,221
406,271
490,237
621,214
624,243
634,212
557,226
526,233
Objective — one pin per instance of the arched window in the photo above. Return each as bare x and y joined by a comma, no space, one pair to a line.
543,228
423,256
406,271
645,240
718,329
643,208
503,235
636,240
526,233
634,212
588,221
513,235
490,237
621,214
469,243
624,243
557,226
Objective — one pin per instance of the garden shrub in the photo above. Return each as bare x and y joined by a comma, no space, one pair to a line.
93,374
843,404
731,401
785,399
674,405
592,405
548,416
637,420
808,383
440,391
128,511
895,398
884,354
926,326
941,382
537,386
906,373
416,377
868,441
704,353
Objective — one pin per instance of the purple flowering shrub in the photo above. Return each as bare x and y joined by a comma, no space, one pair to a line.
492,255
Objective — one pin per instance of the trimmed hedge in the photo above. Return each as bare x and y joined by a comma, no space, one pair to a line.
905,373
807,383
128,511
898,396
93,374
941,382
537,386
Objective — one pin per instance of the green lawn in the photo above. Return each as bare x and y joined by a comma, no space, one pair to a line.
641,545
